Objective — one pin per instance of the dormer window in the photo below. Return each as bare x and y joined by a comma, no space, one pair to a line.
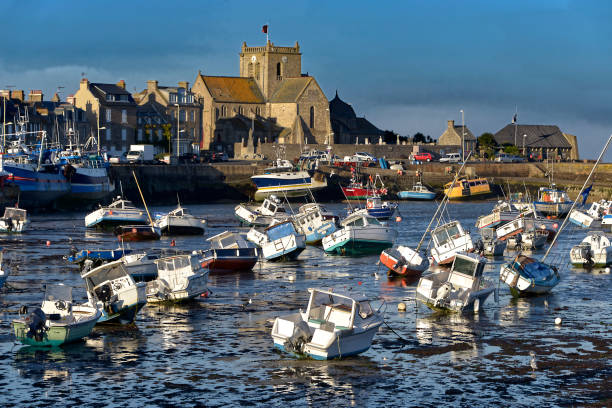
173,97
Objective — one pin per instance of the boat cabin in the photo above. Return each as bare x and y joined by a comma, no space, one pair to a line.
552,195
271,206
179,212
488,234
280,230
359,220
105,280
418,187
174,269
121,204
466,271
335,310
229,240
17,214
447,234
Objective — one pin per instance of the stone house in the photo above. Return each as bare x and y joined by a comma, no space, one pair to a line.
537,141
111,107
270,89
347,127
453,134
163,112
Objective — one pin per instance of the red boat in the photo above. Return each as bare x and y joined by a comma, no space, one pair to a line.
137,233
229,252
356,191
403,261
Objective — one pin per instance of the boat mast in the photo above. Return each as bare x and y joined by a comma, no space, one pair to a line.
142,197
446,197
577,198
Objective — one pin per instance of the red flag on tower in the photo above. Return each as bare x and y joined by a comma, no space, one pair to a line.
264,29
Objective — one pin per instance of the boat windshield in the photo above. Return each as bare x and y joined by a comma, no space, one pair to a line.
466,266
320,300
357,222
107,274
365,309
58,292
176,262
15,213
280,230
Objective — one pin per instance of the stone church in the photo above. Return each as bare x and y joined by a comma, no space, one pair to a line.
271,98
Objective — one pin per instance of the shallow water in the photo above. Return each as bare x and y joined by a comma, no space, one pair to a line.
215,352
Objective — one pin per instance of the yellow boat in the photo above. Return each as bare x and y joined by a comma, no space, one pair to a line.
468,188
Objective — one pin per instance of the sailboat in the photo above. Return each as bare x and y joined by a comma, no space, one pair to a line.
139,232
528,276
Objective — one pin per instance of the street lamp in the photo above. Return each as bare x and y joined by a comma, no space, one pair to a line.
462,136
178,128
99,129
524,136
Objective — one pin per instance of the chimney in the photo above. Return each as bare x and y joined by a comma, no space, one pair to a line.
84,84
35,95
17,94
151,85
183,84
451,124
55,98
121,84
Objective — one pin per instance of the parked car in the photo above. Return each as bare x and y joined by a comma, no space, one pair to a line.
219,157
312,155
117,159
451,158
503,158
363,156
423,156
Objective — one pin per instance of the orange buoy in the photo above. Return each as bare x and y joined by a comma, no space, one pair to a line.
48,243
172,243
398,219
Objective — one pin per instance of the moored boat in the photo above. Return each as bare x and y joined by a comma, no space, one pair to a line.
179,222
379,209
179,278
229,252
357,191
98,257
278,242
448,240
528,276
404,261
119,212
288,183
15,220
57,321
417,192
309,222
552,202
135,233
262,215
334,325
360,234
491,246
468,189
594,251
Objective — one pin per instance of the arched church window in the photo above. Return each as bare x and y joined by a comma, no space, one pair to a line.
312,117
240,110
257,70
278,71
250,73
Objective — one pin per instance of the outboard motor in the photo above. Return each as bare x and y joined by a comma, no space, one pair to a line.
479,247
301,336
104,293
36,324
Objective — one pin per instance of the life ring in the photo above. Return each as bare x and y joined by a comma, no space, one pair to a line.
370,205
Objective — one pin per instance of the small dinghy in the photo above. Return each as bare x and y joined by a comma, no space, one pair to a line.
14,220
360,234
97,257
136,233
119,212
309,222
334,325
112,290
57,321
461,289
381,210
593,251
404,261
448,240
260,216
179,278
279,242
488,244
179,222
527,276
229,252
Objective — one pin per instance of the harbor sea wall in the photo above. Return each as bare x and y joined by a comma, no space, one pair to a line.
202,183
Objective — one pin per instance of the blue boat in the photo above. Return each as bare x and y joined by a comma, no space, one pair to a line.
98,257
527,276
88,175
286,183
378,209
417,192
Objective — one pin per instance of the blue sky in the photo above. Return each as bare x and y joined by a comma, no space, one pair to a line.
407,66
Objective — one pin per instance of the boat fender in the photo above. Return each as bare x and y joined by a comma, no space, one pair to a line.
370,205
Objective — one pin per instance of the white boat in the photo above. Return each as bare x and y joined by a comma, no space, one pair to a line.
140,265
553,202
309,222
179,222
448,240
262,215
593,251
528,240
229,251
119,212
360,234
14,220
334,325
591,218
111,289
325,213
527,276
179,278
525,223
488,244
460,289
279,165
501,214
278,242
404,261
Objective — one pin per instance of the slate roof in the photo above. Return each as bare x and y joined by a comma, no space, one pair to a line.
290,89
233,89
341,109
101,90
468,133
110,89
365,126
538,136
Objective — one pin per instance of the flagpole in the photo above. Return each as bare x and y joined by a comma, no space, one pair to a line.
515,122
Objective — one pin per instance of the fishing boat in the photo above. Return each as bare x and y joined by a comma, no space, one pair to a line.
404,261
179,278
334,325
488,244
112,290
14,220
593,216
119,212
229,252
381,210
287,183
262,215
448,240
460,289
528,276
325,213
309,222
57,321
97,257
179,222
593,251
418,191
87,172
278,242
357,191
529,239
502,213
135,233
468,189
552,202
360,234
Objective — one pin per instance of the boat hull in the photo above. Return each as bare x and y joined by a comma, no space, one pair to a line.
416,196
360,193
351,241
57,334
402,266
556,210
522,285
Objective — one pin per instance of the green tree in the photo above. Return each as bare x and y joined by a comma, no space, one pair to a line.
418,138
389,137
511,149
487,141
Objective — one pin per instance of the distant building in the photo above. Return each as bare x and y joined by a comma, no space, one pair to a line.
538,141
453,135
347,127
111,107
157,113
270,90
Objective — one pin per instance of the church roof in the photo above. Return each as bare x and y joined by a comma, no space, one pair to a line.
290,89
233,89
546,136
339,108
366,126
